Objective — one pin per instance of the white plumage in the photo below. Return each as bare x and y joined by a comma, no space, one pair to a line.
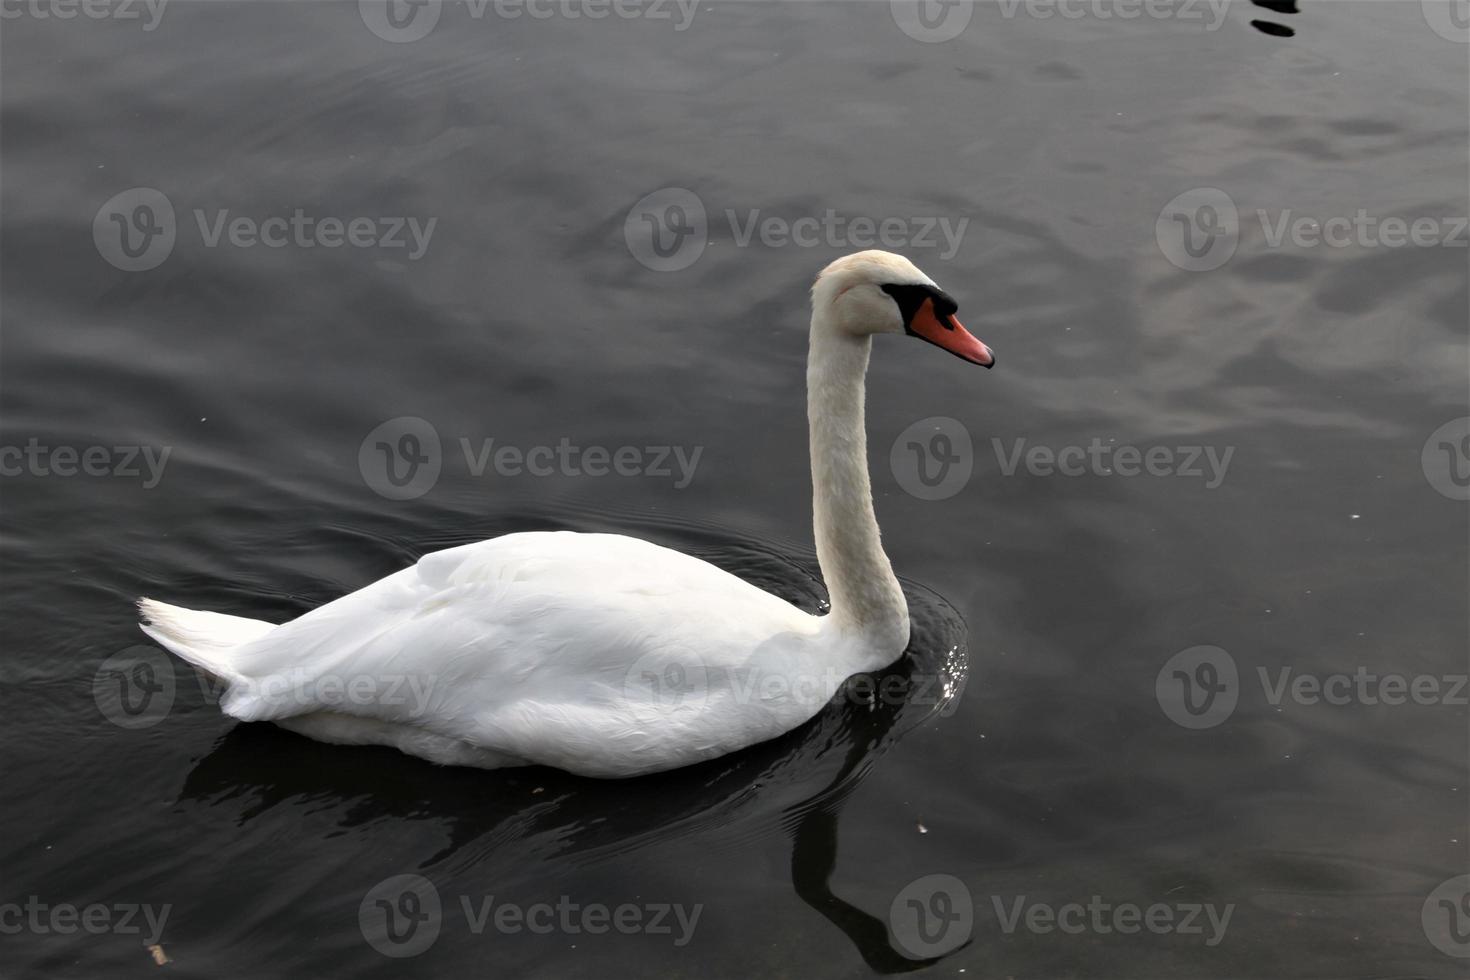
600,654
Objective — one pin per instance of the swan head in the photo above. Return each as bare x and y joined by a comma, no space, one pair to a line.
879,292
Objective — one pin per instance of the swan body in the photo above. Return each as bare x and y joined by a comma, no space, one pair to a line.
601,654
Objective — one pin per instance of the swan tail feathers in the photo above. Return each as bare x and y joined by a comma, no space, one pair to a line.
204,639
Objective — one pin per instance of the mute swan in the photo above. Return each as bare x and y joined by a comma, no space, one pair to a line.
601,654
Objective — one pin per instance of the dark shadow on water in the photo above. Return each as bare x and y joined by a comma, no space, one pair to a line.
1276,7
501,824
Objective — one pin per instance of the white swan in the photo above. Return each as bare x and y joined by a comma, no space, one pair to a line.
602,654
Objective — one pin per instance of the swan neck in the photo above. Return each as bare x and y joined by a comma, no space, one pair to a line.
866,598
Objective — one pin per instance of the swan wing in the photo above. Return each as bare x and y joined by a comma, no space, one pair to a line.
554,647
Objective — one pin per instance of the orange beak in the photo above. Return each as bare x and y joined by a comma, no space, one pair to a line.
950,334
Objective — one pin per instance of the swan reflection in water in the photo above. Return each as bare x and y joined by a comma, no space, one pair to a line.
800,781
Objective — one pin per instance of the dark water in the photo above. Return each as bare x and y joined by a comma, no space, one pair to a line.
1032,753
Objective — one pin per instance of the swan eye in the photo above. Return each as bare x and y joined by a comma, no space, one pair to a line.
910,297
